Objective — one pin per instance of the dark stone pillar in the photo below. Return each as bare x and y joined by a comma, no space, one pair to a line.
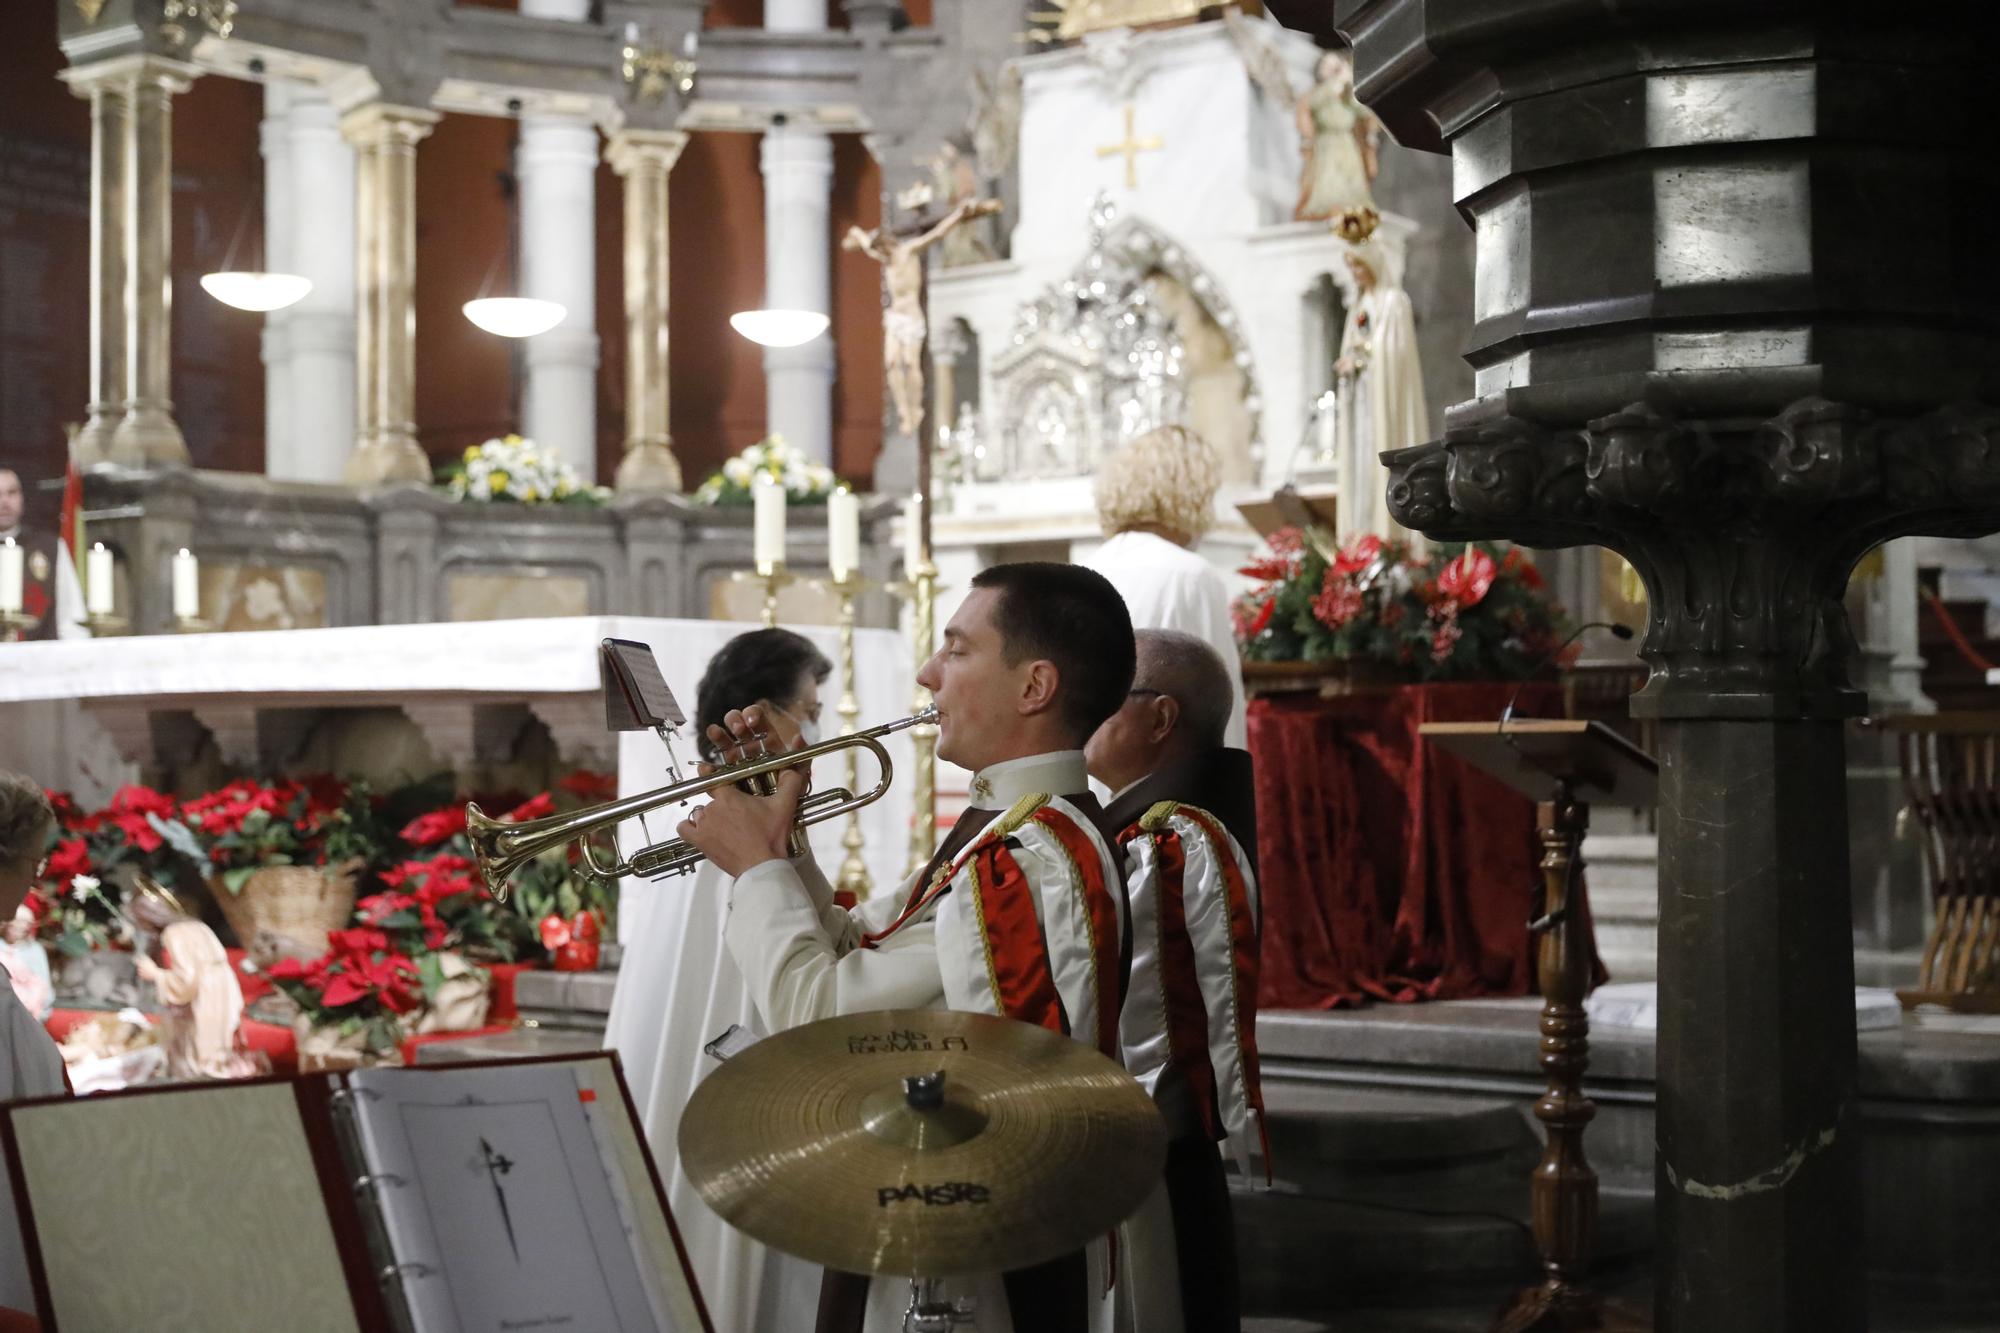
1737,318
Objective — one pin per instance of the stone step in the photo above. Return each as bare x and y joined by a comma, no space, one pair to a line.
1365,1142
1304,1256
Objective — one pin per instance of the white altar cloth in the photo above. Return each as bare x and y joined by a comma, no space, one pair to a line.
442,675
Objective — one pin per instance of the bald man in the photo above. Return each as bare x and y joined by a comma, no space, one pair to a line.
1183,805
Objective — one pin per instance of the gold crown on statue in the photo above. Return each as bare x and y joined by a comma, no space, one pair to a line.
1355,225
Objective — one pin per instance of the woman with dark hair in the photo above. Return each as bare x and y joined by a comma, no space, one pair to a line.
678,989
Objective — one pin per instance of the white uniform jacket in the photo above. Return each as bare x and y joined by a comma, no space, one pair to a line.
1026,922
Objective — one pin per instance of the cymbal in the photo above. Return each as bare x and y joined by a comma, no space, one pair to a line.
1026,1146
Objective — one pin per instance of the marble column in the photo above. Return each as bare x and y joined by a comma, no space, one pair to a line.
274,142
557,167
109,93
798,256
321,329
147,433
385,139
1681,353
643,159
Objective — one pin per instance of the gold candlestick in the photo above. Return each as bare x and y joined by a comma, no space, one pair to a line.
921,592
853,877
17,625
192,625
773,576
104,625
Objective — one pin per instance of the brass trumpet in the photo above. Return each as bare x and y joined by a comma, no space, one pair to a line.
500,848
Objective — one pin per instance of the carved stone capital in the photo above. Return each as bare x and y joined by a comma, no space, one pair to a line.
1744,530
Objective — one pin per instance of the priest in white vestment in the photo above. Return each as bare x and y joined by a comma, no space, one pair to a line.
679,988
1382,382
1018,688
30,1064
1155,498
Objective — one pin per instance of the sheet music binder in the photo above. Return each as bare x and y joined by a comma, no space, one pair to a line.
302,1159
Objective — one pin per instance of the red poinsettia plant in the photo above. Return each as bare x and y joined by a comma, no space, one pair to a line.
552,887
91,856
1475,611
362,983
247,825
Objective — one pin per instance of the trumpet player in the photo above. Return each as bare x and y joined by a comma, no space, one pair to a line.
1021,911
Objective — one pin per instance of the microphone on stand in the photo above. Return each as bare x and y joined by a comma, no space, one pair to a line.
1622,631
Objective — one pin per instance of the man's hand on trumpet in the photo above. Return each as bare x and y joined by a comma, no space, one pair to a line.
738,829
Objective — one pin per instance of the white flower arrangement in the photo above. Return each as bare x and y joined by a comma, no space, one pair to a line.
805,481
514,470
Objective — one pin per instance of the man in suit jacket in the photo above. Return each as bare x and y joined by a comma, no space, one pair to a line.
38,589
1183,805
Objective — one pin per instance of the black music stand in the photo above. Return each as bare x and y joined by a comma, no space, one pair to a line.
1563,766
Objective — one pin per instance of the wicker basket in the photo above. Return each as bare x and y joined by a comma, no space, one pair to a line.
286,911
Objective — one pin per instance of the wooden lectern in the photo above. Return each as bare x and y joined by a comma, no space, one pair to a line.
1288,507
1563,766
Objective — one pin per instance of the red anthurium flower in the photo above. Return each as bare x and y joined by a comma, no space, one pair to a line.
1358,554
1467,578
1262,618
435,827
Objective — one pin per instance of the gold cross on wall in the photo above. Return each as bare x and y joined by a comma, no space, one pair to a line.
1131,148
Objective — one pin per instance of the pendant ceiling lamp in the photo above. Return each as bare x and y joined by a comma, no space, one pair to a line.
515,316
779,328
248,288
511,316
260,292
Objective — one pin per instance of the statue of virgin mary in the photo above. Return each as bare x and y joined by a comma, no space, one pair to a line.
1381,386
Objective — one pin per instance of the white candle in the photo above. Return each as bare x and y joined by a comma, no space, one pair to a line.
843,532
769,544
97,582
187,585
913,535
10,575
1327,422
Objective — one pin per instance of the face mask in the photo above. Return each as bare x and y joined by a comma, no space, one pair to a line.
808,729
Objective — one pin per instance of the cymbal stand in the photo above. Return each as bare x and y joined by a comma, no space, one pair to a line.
929,1312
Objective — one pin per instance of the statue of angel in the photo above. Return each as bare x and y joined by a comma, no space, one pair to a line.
1339,139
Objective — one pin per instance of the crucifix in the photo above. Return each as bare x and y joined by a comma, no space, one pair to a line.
1131,148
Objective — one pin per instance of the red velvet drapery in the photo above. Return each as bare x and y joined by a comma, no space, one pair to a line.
1389,869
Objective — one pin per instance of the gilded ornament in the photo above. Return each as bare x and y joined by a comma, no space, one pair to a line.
1072,18
90,9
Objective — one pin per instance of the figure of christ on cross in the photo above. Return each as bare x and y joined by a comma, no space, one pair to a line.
903,328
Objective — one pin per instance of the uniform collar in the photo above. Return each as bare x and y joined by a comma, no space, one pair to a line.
1057,773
